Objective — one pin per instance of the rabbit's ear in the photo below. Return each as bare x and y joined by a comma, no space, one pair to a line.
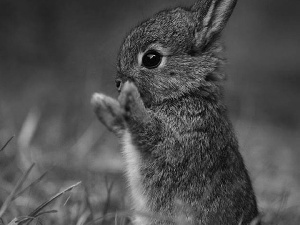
212,16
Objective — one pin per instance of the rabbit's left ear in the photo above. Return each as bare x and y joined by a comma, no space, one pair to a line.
212,16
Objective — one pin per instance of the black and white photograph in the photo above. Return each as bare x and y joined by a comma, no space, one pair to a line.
162,112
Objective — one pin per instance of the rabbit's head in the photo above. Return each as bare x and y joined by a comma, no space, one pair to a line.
176,52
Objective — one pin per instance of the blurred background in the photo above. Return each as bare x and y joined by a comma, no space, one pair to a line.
55,54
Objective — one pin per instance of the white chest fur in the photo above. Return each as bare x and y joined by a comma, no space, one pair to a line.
133,162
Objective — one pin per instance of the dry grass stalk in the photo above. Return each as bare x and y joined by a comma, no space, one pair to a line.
88,205
4,146
9,198
28,128
35,212
108,187
30,185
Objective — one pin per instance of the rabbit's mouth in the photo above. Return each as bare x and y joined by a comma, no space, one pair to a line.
146,98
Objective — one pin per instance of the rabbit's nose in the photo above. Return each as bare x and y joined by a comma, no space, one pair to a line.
119,84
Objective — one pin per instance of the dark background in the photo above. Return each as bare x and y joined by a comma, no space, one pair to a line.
55,54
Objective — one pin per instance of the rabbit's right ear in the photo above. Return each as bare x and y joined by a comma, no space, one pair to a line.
212,16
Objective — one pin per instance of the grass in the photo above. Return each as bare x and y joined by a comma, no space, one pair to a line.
84,193
82,196
23,189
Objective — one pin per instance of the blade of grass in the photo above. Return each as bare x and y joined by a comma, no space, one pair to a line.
35,213
47,212
29,128
13,222
30,185
87,140
23,219
83,218
256,220
68,198
38,209
9,198
109,187
88,203
4,146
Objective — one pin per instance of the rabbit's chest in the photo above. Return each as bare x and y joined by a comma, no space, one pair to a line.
133,163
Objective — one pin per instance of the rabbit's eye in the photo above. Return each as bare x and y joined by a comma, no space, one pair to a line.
151,59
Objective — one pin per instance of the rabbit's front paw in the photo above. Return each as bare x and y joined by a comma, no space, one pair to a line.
109,112
131,102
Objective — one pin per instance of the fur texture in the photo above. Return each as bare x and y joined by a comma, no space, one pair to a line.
177,140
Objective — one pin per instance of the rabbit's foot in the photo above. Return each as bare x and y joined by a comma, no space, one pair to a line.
109,112
132,104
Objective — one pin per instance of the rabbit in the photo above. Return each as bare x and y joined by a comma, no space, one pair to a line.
177,141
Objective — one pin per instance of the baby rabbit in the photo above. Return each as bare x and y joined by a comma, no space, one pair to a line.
178,143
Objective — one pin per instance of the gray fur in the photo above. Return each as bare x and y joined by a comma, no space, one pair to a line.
185,144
